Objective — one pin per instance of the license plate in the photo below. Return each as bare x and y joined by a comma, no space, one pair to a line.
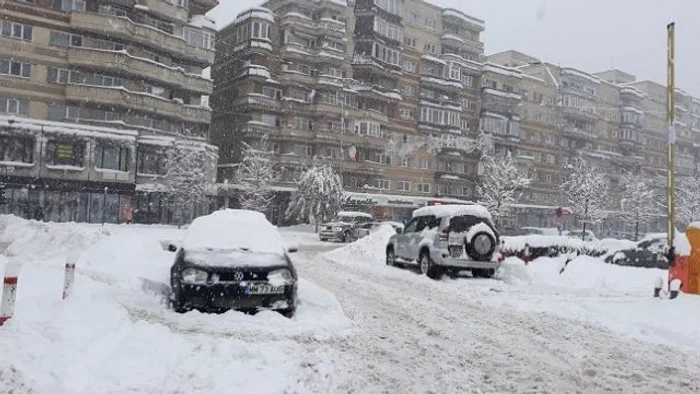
263,289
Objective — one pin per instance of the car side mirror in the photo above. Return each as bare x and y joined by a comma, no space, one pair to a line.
292,248
172,248
399,231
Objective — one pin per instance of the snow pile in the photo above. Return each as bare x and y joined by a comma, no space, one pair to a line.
117,317
32,240
513,271
612,245
541,241
453,210
371,248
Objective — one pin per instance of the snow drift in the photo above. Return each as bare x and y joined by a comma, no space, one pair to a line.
371,248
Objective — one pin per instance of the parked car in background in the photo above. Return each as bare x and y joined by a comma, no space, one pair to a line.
342,227
447,237
539,231
368,228
233,259
648,253
589,237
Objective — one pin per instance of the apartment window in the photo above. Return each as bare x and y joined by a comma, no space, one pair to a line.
109,156
303,150
368,128
335,72
272,93
15,68
403,186
424,188
429,47
407,113
390,6
440,116
198,38
65,152
151,160
16,30
69,5
106,80
411,17
62,112
303,123
387,55
467,80
115,46
409,66
336,46
431,23
454,72
150,89
425,164
270,120
300,68
382,184
13,106
548,178
550,159
260,30
494,125
62,75
388,30
550,140
16,149
409,91
106,116
111,10
466,191
410,42
62,39
405,162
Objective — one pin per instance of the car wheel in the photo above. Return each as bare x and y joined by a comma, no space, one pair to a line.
390,258
428,267
481,246
483,273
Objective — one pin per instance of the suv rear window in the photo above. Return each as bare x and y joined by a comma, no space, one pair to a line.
462,224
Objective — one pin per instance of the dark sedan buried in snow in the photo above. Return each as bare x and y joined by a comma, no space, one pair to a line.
233,259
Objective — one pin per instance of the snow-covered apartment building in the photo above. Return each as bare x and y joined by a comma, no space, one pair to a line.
93,96
552,114
386,91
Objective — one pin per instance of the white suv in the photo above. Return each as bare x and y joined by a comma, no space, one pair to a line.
447,237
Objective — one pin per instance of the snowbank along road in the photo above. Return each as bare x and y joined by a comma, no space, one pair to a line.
361,327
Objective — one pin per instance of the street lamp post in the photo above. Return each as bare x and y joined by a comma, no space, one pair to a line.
585,220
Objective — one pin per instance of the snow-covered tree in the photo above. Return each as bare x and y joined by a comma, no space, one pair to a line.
319,195
185,179
256,177
638,200
502,184
687,200
586,191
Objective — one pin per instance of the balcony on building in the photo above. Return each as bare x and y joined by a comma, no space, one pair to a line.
166,9
390,10
632,117
257,101
578,133
458,18
629,94
120,97
313,27
123,63
126,29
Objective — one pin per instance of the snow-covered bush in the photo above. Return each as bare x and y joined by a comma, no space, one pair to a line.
319,196
502,184
256,177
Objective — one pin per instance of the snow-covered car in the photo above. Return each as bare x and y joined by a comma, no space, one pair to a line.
343,226
368,228
447,237
649,253
589,237
233,259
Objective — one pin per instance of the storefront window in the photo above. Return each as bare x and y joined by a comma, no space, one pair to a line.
65,152
17,149
110,156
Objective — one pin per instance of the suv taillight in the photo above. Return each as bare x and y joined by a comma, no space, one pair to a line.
444,235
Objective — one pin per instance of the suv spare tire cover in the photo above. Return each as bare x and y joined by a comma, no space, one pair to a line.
478,251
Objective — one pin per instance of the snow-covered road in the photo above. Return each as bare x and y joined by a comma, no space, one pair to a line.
361,327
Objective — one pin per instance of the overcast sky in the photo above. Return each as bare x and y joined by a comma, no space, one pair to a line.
592,35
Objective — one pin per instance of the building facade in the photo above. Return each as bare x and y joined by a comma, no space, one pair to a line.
385,91
94,97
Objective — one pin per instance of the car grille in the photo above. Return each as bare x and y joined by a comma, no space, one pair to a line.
232,277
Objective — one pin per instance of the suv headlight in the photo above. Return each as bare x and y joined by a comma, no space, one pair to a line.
337,229
194,276
281,277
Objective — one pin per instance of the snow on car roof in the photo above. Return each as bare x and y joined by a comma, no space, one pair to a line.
350,213
453,210
233,229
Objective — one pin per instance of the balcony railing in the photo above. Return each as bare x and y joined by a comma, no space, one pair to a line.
144,68
126,29
167,9
138,101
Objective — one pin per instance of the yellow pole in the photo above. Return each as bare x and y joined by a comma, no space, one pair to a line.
671,117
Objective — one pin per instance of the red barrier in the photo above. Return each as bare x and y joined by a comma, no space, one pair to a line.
9,294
